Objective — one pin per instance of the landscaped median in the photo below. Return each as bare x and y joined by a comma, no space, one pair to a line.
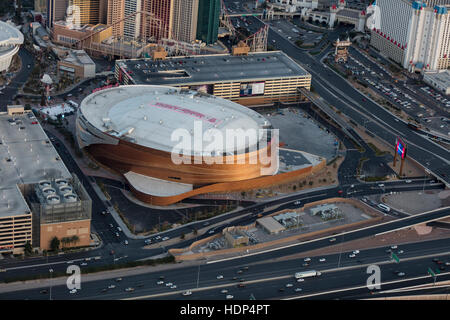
123,265
186,254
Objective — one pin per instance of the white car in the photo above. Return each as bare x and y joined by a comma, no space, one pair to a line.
298,289
322,259
112,286
160,282
332,239
173,287
187,293
352,255
300,280
219,276
126,242
289,285
73,291
393,247
355,251
165,238
169,284
83,264
307,259
229,296
224,291
408,181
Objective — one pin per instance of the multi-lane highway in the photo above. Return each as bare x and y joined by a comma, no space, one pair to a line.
262,278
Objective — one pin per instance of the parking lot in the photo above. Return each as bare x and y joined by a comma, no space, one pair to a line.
299,132
419,102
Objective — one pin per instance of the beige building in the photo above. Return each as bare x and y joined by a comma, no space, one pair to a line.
185,14
235,237
70,234
15,221
29,160
76,64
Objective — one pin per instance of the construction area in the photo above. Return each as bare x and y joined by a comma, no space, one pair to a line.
286,226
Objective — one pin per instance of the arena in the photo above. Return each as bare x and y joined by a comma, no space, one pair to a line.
131,129
10,41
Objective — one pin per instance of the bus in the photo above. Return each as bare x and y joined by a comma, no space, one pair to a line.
384,207
306,274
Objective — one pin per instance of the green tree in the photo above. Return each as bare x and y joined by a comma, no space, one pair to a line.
28,248
54,244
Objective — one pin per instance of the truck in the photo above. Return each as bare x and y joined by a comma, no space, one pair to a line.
307,274
413,126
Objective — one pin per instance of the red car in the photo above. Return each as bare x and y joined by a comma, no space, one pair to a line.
340,192
34,122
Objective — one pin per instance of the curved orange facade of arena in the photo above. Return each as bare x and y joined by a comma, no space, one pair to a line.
126,156
261,182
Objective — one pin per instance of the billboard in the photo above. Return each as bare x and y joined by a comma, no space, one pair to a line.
205,88
400,148
251,89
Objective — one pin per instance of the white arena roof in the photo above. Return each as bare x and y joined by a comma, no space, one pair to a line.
148,115
9,35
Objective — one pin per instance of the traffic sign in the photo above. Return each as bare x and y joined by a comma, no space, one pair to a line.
394,257
431,272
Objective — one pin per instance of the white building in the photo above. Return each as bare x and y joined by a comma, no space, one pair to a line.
414,34
132,26
10,40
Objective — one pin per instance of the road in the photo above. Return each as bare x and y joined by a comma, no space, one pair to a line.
262,278
10,91
339,93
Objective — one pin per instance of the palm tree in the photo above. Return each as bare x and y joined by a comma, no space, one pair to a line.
75,239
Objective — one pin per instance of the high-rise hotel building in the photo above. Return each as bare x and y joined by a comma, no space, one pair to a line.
56,10
414,34
185,17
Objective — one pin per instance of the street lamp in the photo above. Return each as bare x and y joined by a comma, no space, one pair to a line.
51,273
